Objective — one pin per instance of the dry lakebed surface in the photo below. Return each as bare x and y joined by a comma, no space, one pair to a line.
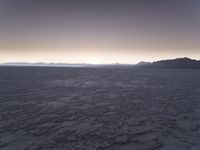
52,108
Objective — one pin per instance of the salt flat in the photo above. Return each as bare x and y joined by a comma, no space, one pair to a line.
49,108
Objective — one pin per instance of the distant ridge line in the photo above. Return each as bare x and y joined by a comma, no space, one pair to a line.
177,63
182,63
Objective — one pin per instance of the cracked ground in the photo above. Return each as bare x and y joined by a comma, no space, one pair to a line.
49,108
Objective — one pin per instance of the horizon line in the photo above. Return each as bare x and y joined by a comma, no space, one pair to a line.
82,63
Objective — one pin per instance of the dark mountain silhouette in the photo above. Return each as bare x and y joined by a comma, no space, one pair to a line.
143,63
184,63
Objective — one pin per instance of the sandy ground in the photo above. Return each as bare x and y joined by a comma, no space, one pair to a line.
97,109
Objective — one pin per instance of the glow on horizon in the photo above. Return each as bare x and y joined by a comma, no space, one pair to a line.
89,57
98,32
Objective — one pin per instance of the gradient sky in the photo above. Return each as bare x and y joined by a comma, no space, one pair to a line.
98,31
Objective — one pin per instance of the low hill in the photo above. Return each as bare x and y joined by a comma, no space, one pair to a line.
184,63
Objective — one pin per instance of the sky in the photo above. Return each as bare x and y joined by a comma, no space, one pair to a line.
98,31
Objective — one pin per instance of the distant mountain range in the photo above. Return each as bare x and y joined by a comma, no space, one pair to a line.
182,63
43,64
178,63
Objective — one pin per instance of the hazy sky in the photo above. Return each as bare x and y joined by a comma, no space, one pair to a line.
98,31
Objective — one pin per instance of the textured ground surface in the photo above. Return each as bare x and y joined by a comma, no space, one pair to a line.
95,109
